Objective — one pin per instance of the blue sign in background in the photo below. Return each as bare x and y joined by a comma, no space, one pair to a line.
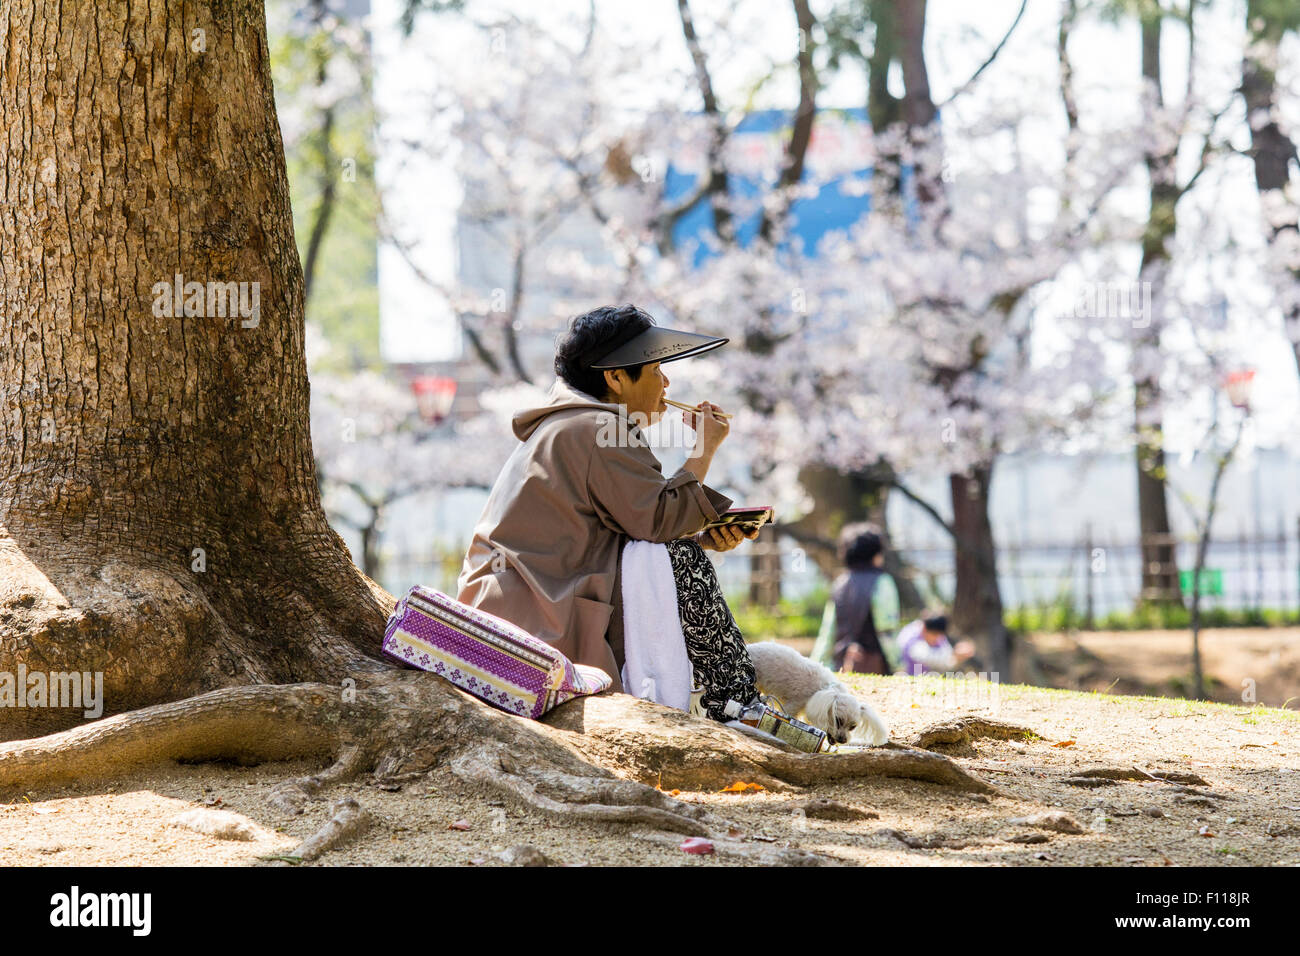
812,218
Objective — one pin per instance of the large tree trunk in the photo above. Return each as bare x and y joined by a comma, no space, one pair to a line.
977,605
1159,560
919,112
159,517
884,109
1272,151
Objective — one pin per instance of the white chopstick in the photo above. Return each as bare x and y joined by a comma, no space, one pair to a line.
692,408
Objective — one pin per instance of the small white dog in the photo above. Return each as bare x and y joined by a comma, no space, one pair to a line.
807,688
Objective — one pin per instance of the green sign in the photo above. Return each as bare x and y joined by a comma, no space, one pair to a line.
1211,581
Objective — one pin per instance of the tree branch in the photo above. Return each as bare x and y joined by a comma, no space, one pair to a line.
512,313
924,505
992,56
1208,150
796,149
716,179
325,207
1069,13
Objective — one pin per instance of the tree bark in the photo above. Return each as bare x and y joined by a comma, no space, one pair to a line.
884,110
1069,100
159,516
773,218
1159,559
919,112
716,186
900,36
918,106
1271,149
977,605
1221,463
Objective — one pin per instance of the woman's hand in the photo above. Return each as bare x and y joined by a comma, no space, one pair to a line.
710,430
724,538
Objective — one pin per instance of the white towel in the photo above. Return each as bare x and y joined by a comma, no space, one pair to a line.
655,665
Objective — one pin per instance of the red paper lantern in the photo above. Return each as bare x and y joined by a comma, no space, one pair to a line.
434,395
1238,384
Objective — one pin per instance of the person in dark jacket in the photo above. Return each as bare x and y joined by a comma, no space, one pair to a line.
855,595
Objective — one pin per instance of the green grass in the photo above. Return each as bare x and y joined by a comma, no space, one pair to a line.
803,617
790,618
1062,616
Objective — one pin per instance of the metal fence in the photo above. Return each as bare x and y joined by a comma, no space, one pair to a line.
1095,576
1092,576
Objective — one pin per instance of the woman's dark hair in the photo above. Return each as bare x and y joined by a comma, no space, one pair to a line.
588,340
859,545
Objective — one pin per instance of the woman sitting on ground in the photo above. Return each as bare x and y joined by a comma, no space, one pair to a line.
546,552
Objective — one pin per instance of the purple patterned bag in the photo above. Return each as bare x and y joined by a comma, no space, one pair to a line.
489,657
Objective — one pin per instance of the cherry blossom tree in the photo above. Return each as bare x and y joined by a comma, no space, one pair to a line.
929,338
373,449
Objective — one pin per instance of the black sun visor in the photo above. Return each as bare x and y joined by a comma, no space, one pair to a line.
657,344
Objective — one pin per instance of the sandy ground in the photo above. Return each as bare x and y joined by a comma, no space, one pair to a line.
1248,756
1238,663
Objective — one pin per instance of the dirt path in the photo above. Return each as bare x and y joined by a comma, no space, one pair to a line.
1248,757
1239,663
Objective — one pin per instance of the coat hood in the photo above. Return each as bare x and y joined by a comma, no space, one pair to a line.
561,397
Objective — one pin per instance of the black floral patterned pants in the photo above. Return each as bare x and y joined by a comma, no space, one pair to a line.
714,643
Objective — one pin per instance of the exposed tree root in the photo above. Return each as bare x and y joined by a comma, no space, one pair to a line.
150,631
672,750
933,841
596,759
348,821
583,798
964,730
1090,782
822,808
292,795
920,765
1210,794
264,723
1134,773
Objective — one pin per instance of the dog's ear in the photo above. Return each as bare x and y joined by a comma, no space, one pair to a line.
838,716
850,708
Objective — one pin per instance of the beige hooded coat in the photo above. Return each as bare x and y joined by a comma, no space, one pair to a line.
546,550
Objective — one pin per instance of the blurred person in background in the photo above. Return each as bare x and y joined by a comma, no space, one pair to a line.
863,610
923,646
